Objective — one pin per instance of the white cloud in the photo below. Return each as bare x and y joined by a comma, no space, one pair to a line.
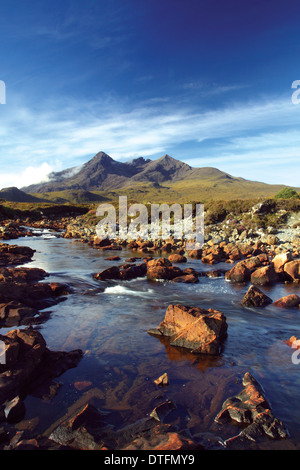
27,176
70,134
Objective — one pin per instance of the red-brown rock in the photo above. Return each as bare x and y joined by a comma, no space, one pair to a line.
187,278
163,272
197,329
264,276
280,260
288,301
292,269
176,258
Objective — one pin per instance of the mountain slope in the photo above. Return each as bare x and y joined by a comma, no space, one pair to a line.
165,178
14,194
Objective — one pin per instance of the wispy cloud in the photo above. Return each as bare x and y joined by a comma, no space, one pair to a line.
244,135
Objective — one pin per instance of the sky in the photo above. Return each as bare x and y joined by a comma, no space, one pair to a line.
208,82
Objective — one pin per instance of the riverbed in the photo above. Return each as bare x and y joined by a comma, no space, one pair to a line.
109,322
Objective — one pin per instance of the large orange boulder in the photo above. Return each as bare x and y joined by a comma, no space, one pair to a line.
197,329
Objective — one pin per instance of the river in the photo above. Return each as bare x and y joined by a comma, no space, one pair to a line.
109,322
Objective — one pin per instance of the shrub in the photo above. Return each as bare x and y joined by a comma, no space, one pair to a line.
286,193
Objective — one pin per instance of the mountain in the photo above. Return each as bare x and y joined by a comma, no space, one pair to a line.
165,179
14,194
99,173
102,172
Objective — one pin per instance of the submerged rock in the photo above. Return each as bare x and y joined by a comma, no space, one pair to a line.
26,363
82,431
251,408
200,330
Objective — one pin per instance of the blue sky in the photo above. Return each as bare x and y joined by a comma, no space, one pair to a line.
206,81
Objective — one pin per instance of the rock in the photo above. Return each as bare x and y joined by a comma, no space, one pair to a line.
280,260
238,274
159,262
14,254
16,313
82,431
176,258
59,289
162,380
214,273
254,297
24,275
150,435
163,272
289,301
109,273
161,411
99,242
28,362
272,239
132,272
163,441
197,329
14,410
241,272
195,254
263,276
292,269
251,408
186,278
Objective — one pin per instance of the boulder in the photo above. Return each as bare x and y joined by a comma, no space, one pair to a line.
187,279
109,273
158,262
176,258
280,260
197,329
292,269
27,362
254,297
264,276
132,272
241,272
163,272
238,274
288,301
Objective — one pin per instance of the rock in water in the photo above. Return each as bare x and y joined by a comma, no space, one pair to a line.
200,330
251,408
254,297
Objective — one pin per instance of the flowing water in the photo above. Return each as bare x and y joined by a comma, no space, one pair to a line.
109,322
